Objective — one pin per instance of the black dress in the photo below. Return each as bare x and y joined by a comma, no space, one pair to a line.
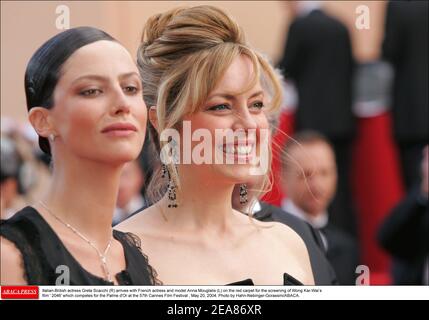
288,280
43,251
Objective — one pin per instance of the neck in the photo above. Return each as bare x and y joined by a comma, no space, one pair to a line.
202,204
316,219
83,193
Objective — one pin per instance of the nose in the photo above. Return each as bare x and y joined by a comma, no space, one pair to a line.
244,120
120,102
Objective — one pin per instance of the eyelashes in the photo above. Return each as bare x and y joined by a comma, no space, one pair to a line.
131,89
90,92
224,106
220,107
94,92
258,105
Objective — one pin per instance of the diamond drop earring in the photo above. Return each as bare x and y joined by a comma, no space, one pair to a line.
243,193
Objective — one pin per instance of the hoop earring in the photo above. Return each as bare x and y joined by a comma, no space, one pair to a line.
243,193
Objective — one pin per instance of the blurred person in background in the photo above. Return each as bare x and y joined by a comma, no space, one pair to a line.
11,165
130,198
405,233
405,46
20,168
318,58
309,177
133,194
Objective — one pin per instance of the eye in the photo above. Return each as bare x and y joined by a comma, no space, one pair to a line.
131,89
91,92
220,107
257,105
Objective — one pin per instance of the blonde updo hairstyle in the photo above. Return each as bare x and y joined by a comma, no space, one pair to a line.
183,54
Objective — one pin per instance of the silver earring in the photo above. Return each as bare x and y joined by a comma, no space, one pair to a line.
52,137
171,189
172,194
243,193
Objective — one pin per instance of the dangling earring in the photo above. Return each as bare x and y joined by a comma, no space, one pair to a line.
243,193
172,194
52,137
171,189
163,170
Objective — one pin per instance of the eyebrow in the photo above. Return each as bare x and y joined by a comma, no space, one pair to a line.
232,97
105,79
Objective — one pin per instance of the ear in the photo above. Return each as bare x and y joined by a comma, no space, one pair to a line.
40,119
153,117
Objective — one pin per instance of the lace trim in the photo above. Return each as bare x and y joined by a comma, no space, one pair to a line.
26,239
135,241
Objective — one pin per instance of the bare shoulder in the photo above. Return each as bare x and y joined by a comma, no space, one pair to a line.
288,239
285,233
276,231
12,271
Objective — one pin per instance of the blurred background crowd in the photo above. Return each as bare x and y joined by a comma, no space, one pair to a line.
355,99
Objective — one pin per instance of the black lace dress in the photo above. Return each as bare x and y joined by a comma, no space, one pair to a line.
288,280
42,252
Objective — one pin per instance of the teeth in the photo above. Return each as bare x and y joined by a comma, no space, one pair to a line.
240,150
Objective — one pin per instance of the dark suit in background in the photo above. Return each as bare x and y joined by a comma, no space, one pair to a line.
342,252
405,235
405,46
318,58
322,270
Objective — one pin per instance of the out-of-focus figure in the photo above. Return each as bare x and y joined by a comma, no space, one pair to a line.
405,233
318,58
309,178
11,164
130,198
405,46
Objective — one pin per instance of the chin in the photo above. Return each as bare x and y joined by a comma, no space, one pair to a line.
120,157
236,173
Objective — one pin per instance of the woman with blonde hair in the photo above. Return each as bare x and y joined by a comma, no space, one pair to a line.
200,79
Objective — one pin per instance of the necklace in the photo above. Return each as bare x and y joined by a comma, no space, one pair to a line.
102,256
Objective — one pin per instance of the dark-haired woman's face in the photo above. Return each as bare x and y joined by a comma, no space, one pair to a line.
99,112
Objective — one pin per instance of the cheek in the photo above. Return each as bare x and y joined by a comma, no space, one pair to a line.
140,113
263,131
211,123
79,121
262,121
207,125
332,185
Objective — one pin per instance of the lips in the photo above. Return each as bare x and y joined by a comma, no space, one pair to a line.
240,149
118,127
237,149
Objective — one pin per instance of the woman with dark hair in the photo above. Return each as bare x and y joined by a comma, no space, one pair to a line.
84,98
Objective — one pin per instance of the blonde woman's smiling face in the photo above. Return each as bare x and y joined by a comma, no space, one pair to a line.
232,106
